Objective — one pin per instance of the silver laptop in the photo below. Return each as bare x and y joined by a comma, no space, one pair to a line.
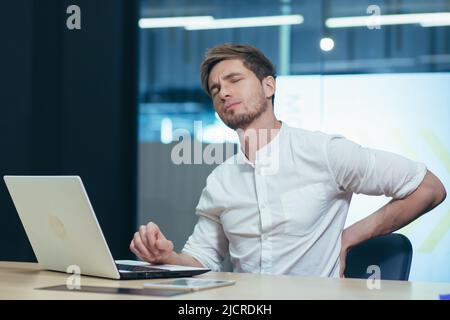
65,235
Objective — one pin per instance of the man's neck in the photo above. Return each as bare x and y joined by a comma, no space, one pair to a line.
258,134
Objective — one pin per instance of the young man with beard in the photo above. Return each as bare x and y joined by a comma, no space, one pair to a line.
279,205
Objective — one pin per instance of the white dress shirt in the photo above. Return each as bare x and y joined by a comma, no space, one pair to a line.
285,213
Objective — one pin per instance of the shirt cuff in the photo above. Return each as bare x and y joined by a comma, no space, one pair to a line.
414,183
204,260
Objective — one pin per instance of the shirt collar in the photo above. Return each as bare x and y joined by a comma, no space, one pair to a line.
265,155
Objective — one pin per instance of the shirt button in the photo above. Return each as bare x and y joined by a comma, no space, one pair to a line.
264,236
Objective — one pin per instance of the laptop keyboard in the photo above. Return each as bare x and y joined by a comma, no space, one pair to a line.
128,267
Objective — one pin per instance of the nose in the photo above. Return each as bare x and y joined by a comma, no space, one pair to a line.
224,92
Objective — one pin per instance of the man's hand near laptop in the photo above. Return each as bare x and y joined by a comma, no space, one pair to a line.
149,244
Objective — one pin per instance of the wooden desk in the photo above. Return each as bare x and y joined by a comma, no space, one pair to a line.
19,280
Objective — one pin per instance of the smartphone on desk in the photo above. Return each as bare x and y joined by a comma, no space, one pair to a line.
188,284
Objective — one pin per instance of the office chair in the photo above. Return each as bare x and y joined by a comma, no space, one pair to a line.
392,253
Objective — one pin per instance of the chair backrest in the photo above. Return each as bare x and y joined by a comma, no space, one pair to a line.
392,253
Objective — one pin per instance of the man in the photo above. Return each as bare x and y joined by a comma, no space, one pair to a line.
279,205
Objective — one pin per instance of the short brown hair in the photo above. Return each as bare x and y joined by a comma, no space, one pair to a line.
252,58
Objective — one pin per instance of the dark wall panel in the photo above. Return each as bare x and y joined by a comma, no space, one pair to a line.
68,106
15,117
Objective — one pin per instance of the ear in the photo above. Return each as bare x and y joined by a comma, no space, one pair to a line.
269,86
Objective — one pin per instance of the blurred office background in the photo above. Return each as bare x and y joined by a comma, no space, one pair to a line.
382,85
110,101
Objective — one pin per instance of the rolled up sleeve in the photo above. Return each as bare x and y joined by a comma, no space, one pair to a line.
370,171
208,243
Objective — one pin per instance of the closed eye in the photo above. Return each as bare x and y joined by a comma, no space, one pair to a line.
214,92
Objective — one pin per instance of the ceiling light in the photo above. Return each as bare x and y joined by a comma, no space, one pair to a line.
171,22
247,22
326,44
424,19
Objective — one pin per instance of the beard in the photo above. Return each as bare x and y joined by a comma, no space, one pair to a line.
241,121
